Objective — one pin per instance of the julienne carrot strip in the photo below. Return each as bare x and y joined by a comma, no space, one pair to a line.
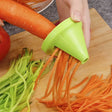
81,107
65,77
59,90
78,85
56,50
84,106
96,95
69,85
67,93
91,82
69,63
92,103
54,67
74,71
67,81
57,81
65,59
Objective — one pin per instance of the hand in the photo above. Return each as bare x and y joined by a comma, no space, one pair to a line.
78,10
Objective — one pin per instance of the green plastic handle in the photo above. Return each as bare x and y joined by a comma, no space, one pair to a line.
69,37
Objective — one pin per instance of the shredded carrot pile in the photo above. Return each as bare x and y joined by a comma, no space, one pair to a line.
60,79
95,96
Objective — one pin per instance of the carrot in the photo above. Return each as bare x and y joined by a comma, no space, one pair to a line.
56,50
98,102
79,84
61,75
95,96
54,67
25,18
97,93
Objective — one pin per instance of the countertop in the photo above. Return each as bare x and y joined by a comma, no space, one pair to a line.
104,8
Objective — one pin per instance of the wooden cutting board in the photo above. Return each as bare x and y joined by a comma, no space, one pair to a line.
100,53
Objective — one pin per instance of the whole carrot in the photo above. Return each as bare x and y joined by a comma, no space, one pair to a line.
25,18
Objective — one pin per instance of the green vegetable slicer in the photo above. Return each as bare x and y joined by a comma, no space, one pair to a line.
68,36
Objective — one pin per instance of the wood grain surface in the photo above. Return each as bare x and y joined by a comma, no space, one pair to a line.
100,53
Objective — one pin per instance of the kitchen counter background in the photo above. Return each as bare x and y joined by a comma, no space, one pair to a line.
104,7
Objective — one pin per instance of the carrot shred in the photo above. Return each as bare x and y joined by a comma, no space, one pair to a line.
56,50
59,84
94,96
